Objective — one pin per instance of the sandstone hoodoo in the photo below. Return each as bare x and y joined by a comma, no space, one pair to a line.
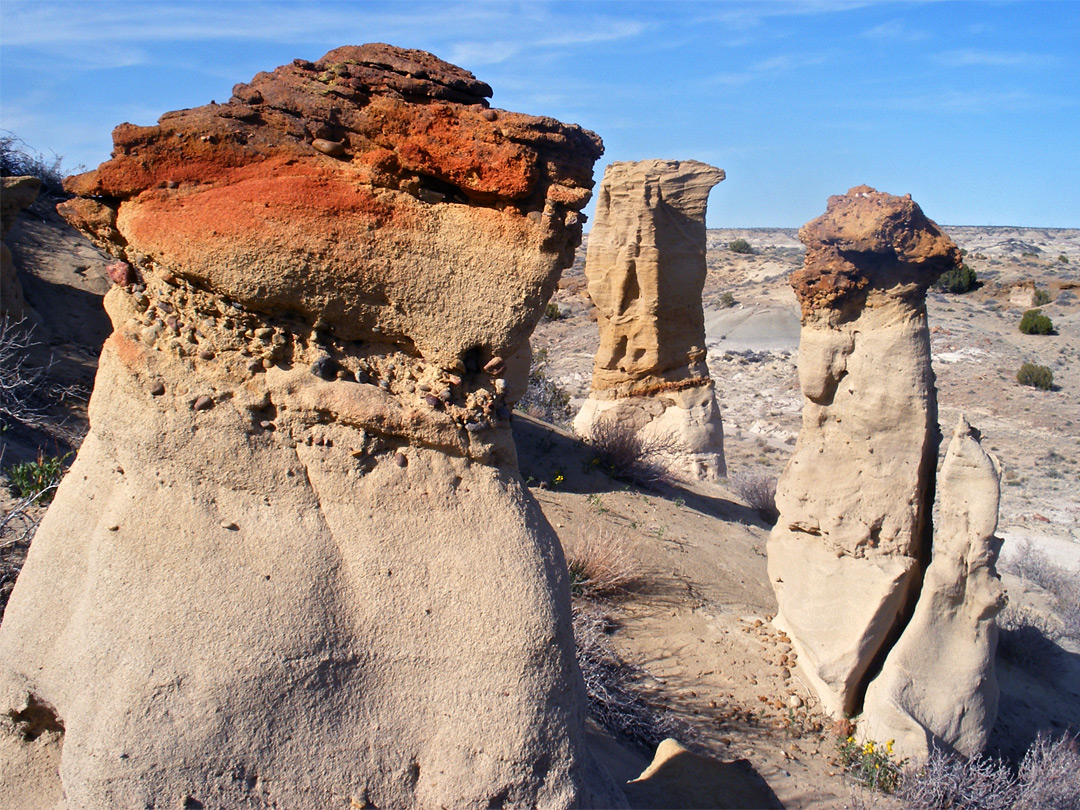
937,687
855,501
646,270
293,564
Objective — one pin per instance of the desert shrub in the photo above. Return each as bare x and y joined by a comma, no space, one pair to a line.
599,566
37,479
870,764
1035,376
21,385
1062,584
1063,259
552,312
615,700
960,279
1050,775
1034,322
740,246
1042,297
727,300
951,782
759,491
18,160
629,455
1026,638
544,398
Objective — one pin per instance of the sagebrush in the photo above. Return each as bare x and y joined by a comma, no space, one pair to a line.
740,246
1036,376
19,160
759,491
1033,322
544,398
616,701
632,455
960,279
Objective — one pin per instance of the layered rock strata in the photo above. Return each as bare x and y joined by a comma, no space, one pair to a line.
293,564
937,687
853,537
645,268
16,193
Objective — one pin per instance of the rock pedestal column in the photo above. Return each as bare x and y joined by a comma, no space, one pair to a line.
294,564
645,267
847,553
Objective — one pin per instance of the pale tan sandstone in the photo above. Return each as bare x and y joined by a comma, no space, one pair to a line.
937,688
646,270
855,499
16,193
294,564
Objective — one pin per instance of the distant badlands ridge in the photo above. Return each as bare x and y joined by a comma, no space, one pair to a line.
989,239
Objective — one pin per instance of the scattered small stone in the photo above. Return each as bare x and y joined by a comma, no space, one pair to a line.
206,354
254,366
474,427
113,528
203,403
445,395
495,366
266,424
400,460
157,389
331,148
794,702
433,400
121,273
489,115
229,525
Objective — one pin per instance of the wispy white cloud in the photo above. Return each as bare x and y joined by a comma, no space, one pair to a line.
973,102
765,68
742,16
894,31
973,57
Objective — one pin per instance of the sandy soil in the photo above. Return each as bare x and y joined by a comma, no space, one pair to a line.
699,623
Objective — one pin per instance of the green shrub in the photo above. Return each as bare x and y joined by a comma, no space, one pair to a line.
552,312
1042,297
727,300
29,479
1035,323
1063,259
960,279
1035,376
740,246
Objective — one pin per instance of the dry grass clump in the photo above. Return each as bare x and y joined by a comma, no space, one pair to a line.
630,456
615,700
1048,779
600,568
760,492
21,384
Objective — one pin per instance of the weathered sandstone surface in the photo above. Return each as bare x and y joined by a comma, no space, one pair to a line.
16,193
293,564
847,553
646,270
937,688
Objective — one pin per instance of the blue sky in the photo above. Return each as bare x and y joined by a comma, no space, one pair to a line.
972,107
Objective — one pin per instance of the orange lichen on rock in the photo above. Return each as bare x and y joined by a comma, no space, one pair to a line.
864,231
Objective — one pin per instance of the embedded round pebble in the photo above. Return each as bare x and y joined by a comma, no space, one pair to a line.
157,389
400,460
226,524
203,403
331,148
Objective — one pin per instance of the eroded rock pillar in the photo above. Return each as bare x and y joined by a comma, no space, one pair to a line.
294,564
645,267
853,536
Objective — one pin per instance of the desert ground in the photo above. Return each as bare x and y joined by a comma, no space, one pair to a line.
694,628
